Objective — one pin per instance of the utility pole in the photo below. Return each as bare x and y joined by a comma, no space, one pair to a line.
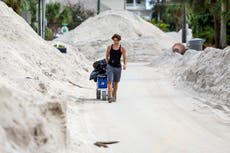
124,4
158,11
41,18
98,6
184,28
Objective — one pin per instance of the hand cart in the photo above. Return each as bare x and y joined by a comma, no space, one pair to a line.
102,91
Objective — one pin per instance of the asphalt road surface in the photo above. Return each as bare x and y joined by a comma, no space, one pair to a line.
150,116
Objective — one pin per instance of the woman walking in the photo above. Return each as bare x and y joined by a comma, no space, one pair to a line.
113,60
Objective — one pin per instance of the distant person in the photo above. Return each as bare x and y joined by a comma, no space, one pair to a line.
113,60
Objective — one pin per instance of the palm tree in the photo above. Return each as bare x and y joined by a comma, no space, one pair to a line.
220,9
213,6
173,14
220,17
159,8
53,11
183,4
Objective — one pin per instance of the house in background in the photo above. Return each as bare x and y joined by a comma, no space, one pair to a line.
86,4
114,4
140,7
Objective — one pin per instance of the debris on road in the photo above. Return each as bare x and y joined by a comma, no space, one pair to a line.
104,144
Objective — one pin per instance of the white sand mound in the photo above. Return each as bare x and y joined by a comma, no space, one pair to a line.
34,86
141,38
27,126
207,72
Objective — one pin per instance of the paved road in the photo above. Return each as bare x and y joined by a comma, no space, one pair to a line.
151,116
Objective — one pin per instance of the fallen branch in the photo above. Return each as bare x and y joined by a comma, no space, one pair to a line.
104,144
75,84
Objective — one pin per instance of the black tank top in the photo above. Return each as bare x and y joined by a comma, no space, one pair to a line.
115,57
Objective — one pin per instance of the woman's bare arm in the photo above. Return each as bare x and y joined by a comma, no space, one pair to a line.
124,58
107,54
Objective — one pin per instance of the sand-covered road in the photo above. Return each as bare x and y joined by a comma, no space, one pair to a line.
151,116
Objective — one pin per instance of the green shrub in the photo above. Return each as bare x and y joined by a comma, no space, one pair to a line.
208,34
49,34
163,26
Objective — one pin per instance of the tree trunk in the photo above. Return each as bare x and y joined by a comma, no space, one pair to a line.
158,11
177,26
223,24
217,30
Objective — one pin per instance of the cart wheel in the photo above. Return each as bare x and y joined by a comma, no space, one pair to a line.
104,95
98,94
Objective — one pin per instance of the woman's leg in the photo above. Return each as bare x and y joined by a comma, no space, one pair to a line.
110,80
117,76
115,89
110,89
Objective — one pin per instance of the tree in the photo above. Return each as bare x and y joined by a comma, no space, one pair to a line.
56,15
79,15
216,16
52,13
158,9
173,15
66,16
14,4
183,4
211,7
33,10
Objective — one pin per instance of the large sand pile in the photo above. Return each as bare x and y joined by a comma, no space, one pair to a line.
34,86
142,39
207,72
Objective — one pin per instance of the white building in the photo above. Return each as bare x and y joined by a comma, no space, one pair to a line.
140,7
114,4
87,4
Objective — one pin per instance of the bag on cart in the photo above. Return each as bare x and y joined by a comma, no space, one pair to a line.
99,69
93,75
100,65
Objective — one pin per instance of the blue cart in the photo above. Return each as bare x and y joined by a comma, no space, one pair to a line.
102,91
